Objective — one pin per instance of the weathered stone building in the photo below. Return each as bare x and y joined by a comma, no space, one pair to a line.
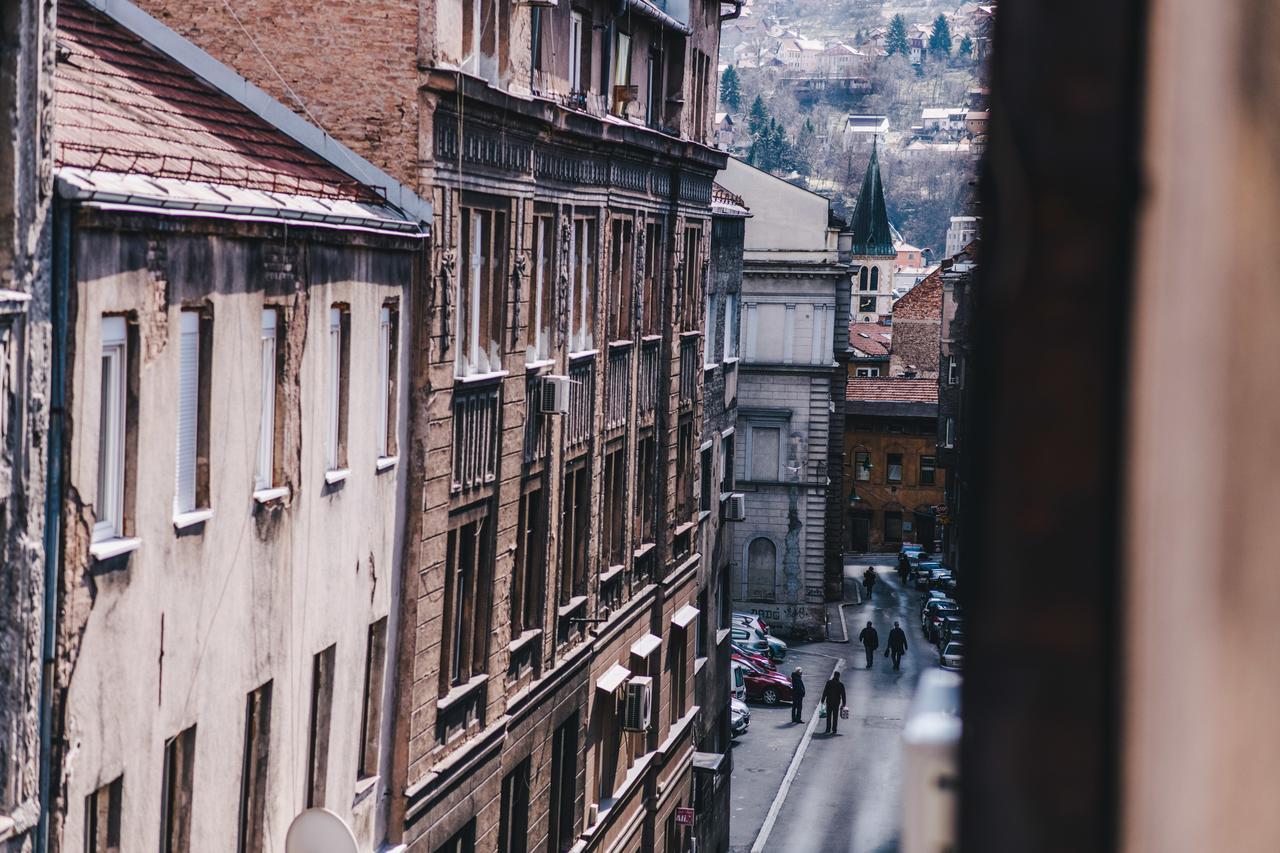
554,556
231,499
793,289
26,65
917,324
955,347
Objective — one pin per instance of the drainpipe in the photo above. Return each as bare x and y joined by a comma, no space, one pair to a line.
53,502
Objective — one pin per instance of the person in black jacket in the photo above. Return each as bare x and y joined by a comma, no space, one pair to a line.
870,642
897,645
833,696
797,695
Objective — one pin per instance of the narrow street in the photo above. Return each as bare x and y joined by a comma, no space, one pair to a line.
844,795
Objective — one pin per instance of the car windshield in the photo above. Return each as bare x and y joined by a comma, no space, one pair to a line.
954,649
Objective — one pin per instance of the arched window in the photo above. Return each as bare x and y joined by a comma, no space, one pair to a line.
875,278
762,569
862,279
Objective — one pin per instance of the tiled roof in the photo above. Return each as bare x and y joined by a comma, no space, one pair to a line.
871,339
123,107
922,302
883,389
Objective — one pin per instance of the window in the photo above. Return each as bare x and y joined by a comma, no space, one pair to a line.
953,370
766,442
862,465
102,818
270,416
730,326
462,841
651,305
544,287
375,667
762,564
862,279
949,439
653,89
726,464
338,391
867,372
647,485
254,767
582,286
194,359
621,72
574,526
684,470
928,470
867,304
531,563
109,508
892,526
706,479
621,273
513,822
175,808
692,277
679,658
484,37
875,278
766,336
709,338
613,546
318,726
480,291
388,374
464,644
578,52
536,26
894,465
562,830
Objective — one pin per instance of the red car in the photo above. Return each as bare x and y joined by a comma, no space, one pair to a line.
757,660
770,688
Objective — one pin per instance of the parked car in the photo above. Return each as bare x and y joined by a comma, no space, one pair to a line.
737,652
936,599
953,656
758,643
937,581
923,573
951,624
909,548
765,686
739,717
751,621
933,627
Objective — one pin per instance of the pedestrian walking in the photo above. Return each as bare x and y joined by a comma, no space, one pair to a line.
797,695
897,645
870,642
869,580
833,697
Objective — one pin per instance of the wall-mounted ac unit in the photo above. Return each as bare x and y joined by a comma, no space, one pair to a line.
735,507
638,706
553,395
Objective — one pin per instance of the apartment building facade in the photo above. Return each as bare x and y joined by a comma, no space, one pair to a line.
553,544
794,291
230,513
26,67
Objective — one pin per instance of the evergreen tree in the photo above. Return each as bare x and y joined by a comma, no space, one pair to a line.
758,118
897,39
802,151
940,38
730,92
966,46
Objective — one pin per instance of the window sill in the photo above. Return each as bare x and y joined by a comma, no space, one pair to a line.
183,520
481,377
644,548
461,692
266,496
337,475
621,343
586,353
539,364
731,361
364,787
571,605
710,368
703,515
611,574
386,462
108,548
523,640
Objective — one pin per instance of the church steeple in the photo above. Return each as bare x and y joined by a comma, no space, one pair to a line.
871,232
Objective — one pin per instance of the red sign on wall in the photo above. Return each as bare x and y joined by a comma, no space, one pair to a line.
684,816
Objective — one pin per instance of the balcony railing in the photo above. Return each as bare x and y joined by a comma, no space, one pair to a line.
650,382
617,386
582,399
537,437
475,436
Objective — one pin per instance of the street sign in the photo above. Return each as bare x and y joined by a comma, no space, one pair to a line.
684,816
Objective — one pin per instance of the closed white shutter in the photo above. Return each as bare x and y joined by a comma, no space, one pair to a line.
267,429
188,414
384,378
335,370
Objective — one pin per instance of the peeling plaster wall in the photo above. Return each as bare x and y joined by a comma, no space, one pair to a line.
181,630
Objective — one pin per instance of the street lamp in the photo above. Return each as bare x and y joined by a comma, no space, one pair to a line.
854,500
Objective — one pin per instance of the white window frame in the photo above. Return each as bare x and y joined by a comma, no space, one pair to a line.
950,435
264,476
953,370
334,391
387,411
575,52
185,493
867,372
109,506
581,341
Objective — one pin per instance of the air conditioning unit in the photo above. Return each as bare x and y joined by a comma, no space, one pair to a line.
639,704
735,507
553,395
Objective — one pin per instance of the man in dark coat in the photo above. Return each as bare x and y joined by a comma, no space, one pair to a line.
833,696
797,695
897,645
870,642
869,580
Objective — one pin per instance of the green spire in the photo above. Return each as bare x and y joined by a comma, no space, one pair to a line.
871,233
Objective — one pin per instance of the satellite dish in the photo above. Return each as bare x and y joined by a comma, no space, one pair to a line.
319,831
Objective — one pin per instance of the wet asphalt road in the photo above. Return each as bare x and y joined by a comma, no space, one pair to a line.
845,796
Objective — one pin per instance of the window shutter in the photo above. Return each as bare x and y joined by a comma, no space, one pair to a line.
335,369
384,378
267,430
188,414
